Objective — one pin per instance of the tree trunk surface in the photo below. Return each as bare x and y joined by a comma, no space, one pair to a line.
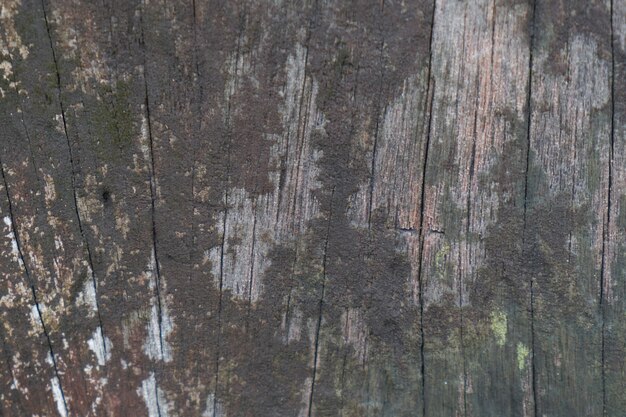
315,208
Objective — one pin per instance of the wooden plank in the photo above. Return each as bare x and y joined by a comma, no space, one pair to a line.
613,290
104,86
570,130
38,170
208,235
475,296
366,358
26,349
312,208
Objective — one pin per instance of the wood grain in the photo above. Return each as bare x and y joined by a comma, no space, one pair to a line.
312,208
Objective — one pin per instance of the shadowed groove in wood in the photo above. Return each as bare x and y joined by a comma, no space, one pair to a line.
427,108
528,121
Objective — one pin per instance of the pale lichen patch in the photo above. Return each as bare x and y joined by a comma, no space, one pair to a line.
57,394
100,346
499,326
35,320
522,355
16,291
153,397
15,253
7,70
160,324
88,205
11,39
87,296
122,223
49,189
60,126
213,408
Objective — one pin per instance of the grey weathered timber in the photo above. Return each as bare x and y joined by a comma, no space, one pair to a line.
312,208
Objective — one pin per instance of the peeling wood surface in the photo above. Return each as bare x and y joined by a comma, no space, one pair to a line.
317,208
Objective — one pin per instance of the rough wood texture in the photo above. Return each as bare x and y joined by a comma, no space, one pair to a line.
313,208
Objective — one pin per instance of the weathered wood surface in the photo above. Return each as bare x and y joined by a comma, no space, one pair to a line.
316,208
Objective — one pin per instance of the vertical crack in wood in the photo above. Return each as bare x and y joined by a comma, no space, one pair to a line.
252,255
300,134
321,304
197,88
31,283
460,288
8,361
283,162
73,180
224,222
221,290
300,138
606,232
378,116
526,173
467,243
342,378
289,295
157,270
33,161
428,106
153,195
14,230
156,397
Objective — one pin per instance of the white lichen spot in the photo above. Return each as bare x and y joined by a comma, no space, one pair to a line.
153,397
145,136
98,399
159,326
60,125
122,223
100,346
7,70
49,189
15,253
87,296
58,396
152,346
499,326
11,40
156,345
15,384
213,408
35,319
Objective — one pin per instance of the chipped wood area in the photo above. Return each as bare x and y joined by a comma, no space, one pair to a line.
321,208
